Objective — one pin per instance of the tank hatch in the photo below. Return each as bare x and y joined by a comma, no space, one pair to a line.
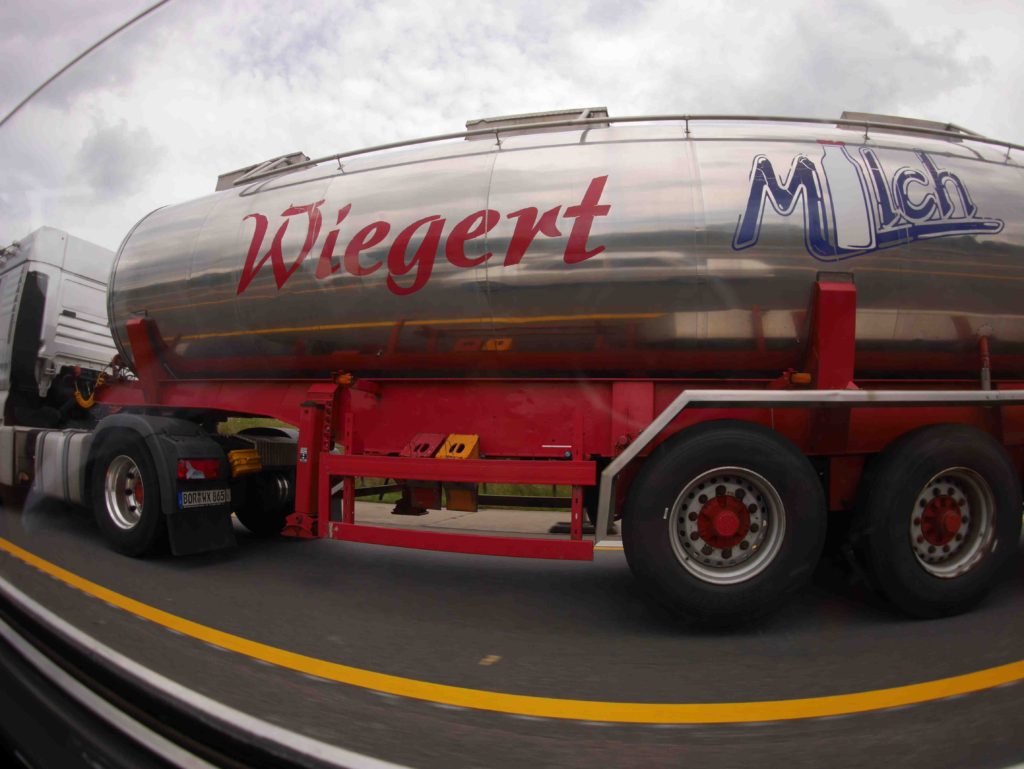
508,123
909,122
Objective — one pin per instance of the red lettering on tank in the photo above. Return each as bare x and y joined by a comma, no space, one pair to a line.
251,268
327,266
422,259
529,223
366,238
473,226
527,228
274,254
584,214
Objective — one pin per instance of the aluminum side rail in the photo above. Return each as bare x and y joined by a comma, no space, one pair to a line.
867,125
282,747
784,398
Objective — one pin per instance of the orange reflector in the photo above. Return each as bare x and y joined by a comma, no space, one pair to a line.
800,378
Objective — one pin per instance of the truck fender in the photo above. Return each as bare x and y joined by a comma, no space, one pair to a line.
168,440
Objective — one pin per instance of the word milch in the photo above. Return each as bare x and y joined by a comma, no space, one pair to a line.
851,206
409,272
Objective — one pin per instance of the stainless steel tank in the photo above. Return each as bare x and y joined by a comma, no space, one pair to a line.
647,249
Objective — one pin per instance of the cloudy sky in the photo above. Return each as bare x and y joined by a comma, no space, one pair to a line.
197,89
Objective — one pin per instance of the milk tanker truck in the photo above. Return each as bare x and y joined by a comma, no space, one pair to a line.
728,333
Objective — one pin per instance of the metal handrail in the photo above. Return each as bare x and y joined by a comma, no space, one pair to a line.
867,125
782,399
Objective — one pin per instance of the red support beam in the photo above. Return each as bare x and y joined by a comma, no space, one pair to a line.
569,473
316,438
474,544
142,338
833,335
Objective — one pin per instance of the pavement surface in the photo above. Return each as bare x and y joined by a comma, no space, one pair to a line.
579,631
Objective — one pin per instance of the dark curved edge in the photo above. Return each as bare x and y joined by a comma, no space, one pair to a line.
67,698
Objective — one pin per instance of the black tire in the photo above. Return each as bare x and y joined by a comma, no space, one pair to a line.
888,536
260,508
131,525
783,558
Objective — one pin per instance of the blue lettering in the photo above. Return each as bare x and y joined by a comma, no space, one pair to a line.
942,178
887,215
801,186
913,205
927,208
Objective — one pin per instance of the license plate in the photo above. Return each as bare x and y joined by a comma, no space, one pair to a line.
204,498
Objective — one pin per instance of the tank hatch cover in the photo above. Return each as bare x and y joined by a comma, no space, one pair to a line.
508,122
281,163
910,122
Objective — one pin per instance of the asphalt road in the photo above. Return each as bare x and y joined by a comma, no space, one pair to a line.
549,629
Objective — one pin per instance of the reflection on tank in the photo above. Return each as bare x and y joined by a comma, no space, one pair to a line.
633,251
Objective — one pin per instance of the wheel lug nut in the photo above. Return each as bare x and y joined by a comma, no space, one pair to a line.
744,545
694,536
752,508
917,521
706,549
727,553
703,499
692,516
754,527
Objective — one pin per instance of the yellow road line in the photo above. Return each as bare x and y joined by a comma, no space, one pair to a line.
545,707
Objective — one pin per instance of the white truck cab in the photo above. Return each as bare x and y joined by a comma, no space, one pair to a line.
53,317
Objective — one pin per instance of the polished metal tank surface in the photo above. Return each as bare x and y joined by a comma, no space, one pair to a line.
650,249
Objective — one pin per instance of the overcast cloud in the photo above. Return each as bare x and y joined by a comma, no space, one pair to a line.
193,91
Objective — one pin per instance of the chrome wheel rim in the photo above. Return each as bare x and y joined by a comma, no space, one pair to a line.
123,492
727,525
952,523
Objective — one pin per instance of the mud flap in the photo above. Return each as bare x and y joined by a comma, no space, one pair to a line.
200,530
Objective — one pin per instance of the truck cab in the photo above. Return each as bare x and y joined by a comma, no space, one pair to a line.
53,321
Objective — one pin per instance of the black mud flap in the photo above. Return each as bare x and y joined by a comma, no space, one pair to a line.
200,530
200,518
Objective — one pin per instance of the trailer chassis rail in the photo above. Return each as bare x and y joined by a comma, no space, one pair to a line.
782,399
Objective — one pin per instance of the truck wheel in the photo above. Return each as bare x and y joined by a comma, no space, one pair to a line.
266,503
724,522
939,513
267,499
126,498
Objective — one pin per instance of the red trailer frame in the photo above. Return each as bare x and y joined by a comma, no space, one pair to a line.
555,430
